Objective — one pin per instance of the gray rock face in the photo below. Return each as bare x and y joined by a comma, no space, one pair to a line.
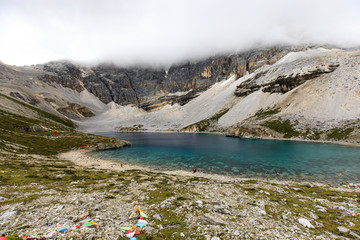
282,84
34,128
146,87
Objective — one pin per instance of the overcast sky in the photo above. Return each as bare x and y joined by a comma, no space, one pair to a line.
166,31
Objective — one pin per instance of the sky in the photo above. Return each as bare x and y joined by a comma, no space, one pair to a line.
163,32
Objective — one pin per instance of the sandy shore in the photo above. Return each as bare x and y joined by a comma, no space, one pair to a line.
85,159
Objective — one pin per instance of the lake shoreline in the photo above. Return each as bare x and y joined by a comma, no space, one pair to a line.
84,158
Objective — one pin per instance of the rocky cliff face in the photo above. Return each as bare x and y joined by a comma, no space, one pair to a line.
147,87
283,83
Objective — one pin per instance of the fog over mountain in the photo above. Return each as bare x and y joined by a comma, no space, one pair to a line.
164,32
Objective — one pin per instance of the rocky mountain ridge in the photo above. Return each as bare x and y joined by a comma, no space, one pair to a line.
294,92
146,87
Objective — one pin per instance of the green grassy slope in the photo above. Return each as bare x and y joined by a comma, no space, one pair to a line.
59,135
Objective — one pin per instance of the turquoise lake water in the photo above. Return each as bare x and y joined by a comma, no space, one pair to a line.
218,154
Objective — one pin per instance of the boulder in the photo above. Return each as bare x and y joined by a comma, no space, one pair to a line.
305,223
343,229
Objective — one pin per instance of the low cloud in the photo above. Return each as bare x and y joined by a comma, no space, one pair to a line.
162,32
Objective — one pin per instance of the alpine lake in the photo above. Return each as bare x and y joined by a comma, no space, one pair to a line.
250,158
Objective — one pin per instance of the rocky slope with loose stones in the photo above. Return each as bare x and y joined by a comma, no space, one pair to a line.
40,195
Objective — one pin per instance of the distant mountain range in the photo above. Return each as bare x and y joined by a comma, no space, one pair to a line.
301,92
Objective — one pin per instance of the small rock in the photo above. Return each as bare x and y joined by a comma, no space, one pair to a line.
148,228
3,199
342,208
260,212
215,238
318,224
81,216
199,202
298,189
213,220
320,208
97,207
158,217
123,219
352,205
7,215
313,215
305,223
221,209
343,229
351,224
354,235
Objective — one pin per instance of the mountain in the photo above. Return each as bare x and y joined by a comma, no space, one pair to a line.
144,87
302,92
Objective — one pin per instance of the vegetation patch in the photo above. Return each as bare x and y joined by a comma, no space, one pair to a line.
249,182
339,134
219,114
204,125
311,134
45,115
262,114
134,128
56,139
284,127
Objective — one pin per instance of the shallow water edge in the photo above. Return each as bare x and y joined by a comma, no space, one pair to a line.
246,158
